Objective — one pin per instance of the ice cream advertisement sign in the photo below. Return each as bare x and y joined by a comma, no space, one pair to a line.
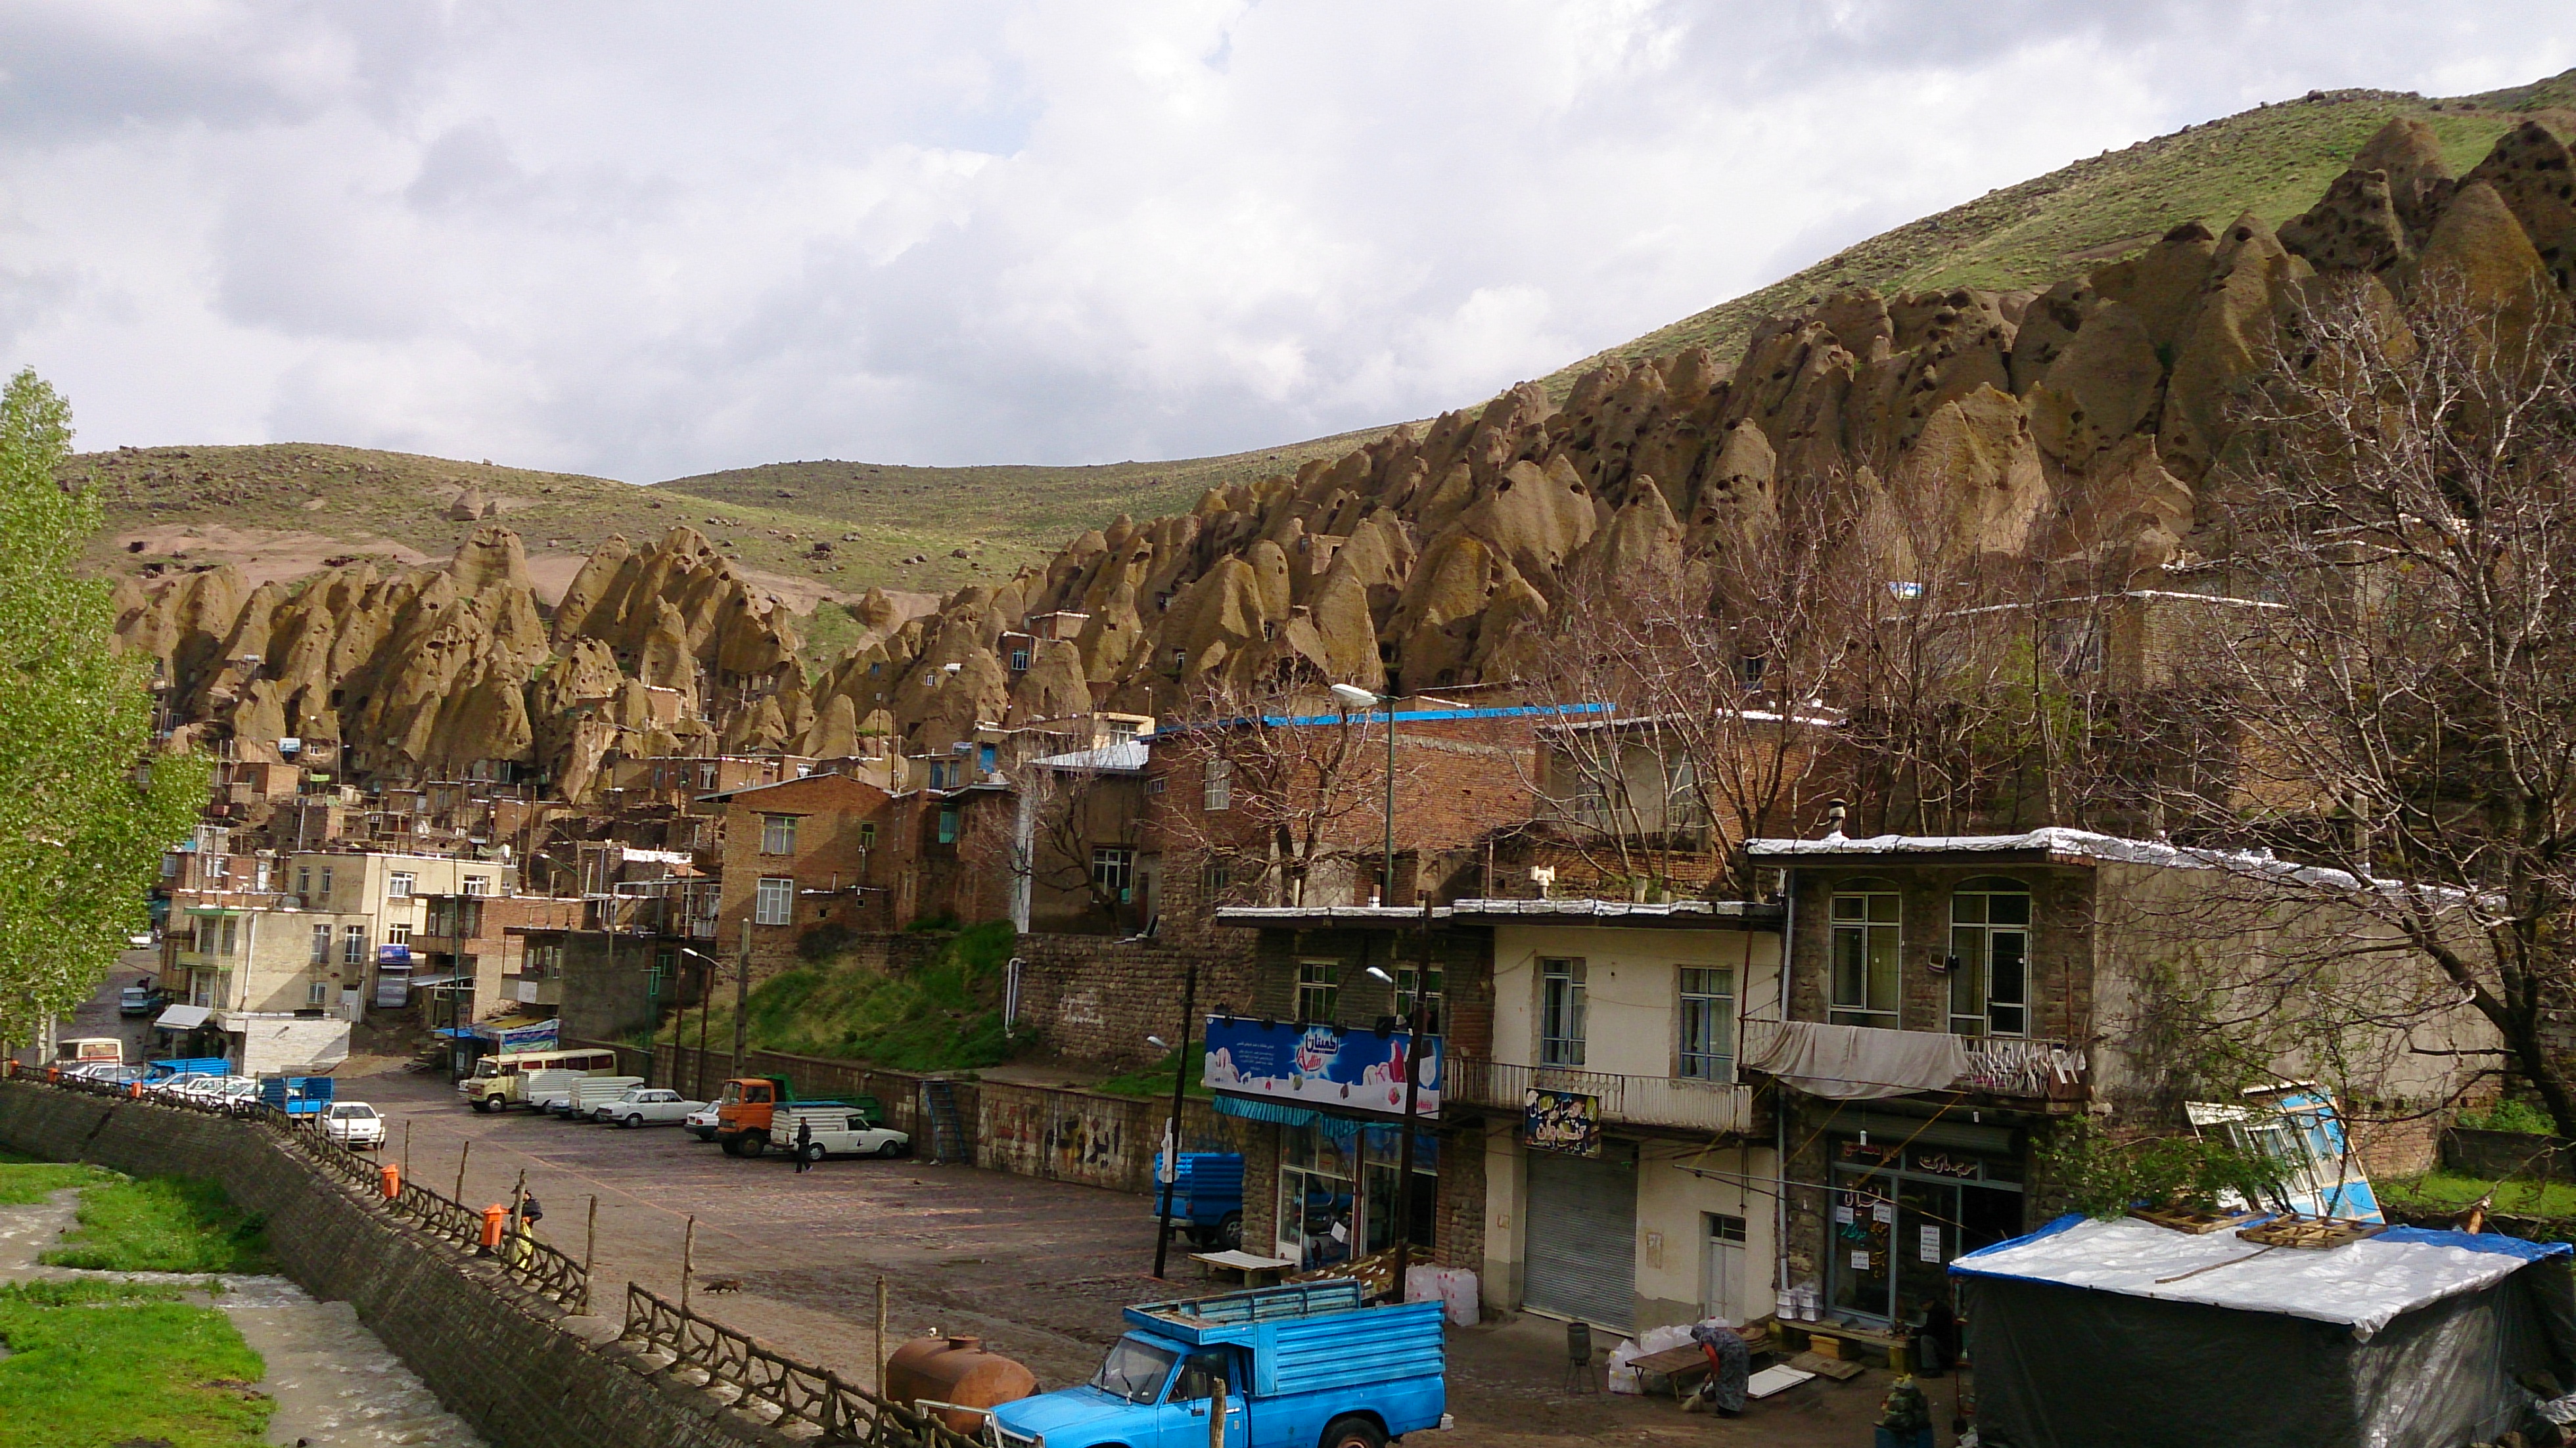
1325,1067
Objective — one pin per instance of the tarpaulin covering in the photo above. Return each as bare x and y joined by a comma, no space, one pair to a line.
1854,1063
182,1018
2123,1333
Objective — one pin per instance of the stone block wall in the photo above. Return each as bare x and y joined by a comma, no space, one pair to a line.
508,1363
1092,998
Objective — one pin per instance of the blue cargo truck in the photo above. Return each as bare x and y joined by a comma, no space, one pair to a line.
1301,1366
1207,1197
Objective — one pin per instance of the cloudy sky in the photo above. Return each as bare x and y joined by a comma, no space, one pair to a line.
647,240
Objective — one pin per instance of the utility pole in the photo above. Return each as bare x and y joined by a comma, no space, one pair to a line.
1414,1021
742,996
1172,1142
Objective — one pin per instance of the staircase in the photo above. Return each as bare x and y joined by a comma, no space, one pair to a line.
947,1132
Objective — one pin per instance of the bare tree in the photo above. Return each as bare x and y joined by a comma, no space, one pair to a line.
1067,810
1279,788
2395,702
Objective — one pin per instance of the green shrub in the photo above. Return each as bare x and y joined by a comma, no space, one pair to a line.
945,1015
2509,1115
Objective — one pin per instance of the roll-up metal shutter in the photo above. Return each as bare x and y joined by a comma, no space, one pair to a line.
1582,1234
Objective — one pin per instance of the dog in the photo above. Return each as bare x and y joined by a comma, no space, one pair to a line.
721,1284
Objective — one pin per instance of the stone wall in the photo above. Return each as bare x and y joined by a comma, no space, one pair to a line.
1091,998
513,1366
2495,1155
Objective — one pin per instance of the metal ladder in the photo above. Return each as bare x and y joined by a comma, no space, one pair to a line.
947,1133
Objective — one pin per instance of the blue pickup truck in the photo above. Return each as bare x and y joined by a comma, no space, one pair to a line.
1207,1197
1301,1366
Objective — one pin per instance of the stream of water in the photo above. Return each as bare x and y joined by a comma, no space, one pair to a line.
336,1386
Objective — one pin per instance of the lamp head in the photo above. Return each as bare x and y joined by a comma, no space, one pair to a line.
1357,698
1158,1043
1382,975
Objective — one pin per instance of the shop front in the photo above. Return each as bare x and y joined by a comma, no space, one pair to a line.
1337,1189
1908,1196
1339,1099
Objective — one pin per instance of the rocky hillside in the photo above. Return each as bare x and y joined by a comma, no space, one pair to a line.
2271,161
2074,421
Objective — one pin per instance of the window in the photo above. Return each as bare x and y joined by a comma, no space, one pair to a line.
1708,1024
948,825
321,945
1215,877
353,945
304,879
326,883
938,775
1113,870
398,935
778,834
1122,731
1216,791
1748,670
1560,1012
1019,661
867,834
988,758
316,993
707,775
231,937
1990,958
1415,985
776,902
1865,954
398,885
1319,992
475,885
218,867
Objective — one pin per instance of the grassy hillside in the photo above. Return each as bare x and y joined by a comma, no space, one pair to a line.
2274,161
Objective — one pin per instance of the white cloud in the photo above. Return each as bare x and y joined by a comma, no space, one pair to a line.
646,240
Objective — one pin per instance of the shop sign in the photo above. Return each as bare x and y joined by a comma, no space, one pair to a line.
1565,1121
1324,1067
533,1036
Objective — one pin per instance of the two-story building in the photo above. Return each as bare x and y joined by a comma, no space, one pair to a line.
800,855
1952,1001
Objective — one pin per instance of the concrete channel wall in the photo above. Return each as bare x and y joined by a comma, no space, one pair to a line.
512,1365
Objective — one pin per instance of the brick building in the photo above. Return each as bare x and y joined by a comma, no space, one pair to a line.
803,854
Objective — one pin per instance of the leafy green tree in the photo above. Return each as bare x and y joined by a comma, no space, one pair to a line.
86,807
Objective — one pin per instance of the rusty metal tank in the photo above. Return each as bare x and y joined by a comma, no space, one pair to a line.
956,1370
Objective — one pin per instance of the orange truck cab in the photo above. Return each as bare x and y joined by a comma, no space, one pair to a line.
743,1112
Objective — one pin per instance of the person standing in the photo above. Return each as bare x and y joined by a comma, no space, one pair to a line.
804,1145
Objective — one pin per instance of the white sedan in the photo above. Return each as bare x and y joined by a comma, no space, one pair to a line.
702,1123
647,1106
354,1124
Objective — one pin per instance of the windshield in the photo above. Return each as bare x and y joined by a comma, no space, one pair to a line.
486,1068
732,1094
1133,1370
354,1108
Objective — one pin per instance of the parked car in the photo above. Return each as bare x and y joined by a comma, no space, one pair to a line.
1306,1366
354,1124
141,999
646,1106
179,1084
835,1129
225,1091
592,1092
702,1123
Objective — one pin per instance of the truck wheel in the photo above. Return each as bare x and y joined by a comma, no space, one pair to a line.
1229,1233
814,1151
733,1146
1353,1431
754,1142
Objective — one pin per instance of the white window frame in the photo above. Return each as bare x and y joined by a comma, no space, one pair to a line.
1857,930
1975,936
1705,1023
353,945
399,884
321,945
474,885
1113,870
1216,786
774,901
1319,989
1562,1009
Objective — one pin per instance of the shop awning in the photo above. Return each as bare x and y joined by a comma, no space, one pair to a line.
182,1018
1253,1110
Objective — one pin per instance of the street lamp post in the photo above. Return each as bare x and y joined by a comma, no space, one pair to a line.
1359,698
1172,1139
706,990
1413,1034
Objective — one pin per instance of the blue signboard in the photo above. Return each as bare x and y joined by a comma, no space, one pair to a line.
393,955
1325,1068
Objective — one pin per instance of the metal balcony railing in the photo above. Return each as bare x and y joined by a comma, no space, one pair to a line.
2025,1066
1673,1101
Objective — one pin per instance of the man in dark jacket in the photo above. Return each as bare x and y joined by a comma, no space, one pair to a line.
804,1140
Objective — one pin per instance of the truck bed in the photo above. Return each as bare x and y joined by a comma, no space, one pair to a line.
1308,1336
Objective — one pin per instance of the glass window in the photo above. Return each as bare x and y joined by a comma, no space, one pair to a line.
1216,791
321,945
304,879
1865,944
1414,985
398,885
1201,1374
353,945
988,757
232,936
707,775
1133,1371
315,993
1113,870
948,826
778,834
397,935
475,885
1708,1024
326,882
775,902
867,834
1990,958
1319,990
1019,661
1560,1039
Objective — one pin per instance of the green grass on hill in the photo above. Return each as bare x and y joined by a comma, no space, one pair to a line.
24,1181
163,1224
2451,1191
97,1364
946,1016
2274,161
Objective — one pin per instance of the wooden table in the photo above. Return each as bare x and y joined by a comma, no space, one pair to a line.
1250,1270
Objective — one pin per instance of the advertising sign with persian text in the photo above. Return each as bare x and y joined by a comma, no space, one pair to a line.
1324,1067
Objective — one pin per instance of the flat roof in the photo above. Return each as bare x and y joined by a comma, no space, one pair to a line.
1669,913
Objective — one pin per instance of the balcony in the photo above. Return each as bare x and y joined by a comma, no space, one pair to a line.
1717,1107
1863,1062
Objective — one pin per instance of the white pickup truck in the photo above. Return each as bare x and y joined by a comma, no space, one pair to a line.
592,1092
834,1129
646,1106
